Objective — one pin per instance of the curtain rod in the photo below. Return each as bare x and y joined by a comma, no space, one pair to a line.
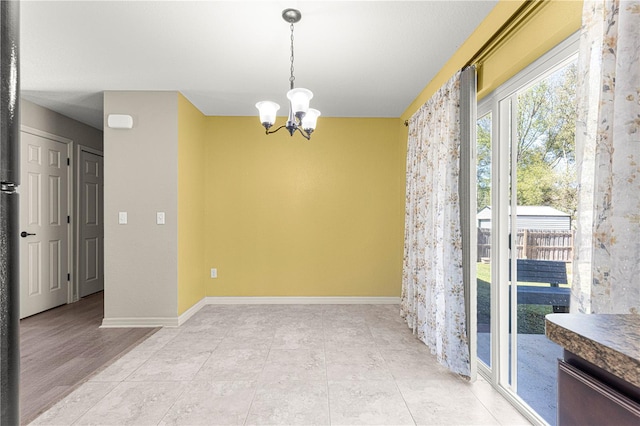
520,16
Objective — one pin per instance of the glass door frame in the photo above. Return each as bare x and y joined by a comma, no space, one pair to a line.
502,105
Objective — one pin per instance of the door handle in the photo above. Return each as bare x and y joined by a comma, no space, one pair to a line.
25,234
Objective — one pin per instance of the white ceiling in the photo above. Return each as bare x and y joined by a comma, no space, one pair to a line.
360,58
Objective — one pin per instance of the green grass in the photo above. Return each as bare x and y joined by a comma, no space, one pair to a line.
530,317
483,271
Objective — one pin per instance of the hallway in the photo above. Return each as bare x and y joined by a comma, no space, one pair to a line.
60,348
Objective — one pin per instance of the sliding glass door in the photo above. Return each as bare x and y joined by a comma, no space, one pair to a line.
526,199
483,219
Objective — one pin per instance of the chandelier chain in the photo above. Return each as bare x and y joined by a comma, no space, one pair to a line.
292,78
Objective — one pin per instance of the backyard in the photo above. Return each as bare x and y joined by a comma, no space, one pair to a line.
530,317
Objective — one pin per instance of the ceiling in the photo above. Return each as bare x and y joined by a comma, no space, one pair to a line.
360,58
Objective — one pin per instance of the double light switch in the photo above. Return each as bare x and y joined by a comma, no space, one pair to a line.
123,219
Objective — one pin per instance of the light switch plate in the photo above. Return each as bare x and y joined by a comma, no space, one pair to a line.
160,218
122,218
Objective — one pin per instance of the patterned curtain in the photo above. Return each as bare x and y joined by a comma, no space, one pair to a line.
433,300
607,255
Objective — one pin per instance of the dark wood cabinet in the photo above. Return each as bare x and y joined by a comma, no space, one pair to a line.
584,399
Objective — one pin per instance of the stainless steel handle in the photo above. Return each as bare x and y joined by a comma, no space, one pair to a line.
25,234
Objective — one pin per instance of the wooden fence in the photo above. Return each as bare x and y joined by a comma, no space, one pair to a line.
538,244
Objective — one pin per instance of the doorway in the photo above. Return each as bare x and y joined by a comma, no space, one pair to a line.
45,202
90,222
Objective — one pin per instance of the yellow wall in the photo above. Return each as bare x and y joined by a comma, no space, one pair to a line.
283,216
191,214
290,217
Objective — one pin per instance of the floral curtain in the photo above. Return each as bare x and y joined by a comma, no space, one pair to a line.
606,262
433,297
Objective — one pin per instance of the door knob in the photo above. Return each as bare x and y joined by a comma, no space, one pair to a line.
25,234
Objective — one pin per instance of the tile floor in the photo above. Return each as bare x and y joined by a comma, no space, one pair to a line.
282,364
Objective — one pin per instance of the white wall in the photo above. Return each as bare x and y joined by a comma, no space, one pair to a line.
141,170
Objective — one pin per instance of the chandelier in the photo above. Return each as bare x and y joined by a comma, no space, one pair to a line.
301,117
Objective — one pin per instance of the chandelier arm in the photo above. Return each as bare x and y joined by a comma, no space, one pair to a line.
268,132
304,134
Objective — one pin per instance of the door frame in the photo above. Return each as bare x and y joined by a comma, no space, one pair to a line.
503,165
76,223
70,200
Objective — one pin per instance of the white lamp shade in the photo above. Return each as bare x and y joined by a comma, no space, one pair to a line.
267,111
299,99
310,119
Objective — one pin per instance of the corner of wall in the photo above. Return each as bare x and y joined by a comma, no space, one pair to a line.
191,209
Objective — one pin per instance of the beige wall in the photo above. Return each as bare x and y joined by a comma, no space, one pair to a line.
141,178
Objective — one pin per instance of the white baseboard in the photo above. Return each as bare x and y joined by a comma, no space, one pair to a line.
293,300
191,311
143,322
250,300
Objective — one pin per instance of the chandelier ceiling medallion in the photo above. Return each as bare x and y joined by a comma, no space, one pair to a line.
301,117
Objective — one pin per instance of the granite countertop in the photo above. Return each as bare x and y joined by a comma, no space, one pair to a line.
612,342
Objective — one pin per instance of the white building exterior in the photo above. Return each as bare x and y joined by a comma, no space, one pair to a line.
531,217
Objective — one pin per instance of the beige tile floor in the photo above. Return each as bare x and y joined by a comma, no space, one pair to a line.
286,365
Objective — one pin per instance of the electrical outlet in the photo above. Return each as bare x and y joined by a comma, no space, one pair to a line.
122,218
214,273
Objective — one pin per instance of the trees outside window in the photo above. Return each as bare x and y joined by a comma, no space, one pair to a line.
545,148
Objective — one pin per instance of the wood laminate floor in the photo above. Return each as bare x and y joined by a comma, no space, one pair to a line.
61,348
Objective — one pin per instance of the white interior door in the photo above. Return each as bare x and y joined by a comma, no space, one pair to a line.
44,248
91,232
